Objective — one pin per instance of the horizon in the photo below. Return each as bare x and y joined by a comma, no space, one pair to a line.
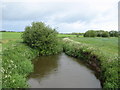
58,32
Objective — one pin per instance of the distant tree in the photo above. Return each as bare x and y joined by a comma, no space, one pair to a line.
3,31
102,33
105,34
113,33
118,33
90,33
99,33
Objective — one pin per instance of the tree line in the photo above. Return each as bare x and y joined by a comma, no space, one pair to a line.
101,33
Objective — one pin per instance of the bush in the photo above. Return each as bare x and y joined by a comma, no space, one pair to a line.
41,37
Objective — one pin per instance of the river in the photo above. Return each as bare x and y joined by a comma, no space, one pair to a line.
61,71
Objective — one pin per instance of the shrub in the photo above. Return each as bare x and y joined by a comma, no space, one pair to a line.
41,37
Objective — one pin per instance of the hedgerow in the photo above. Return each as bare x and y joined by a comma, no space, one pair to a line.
16,65
107,67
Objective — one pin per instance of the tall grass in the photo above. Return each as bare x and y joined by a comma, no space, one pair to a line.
16,65
106,66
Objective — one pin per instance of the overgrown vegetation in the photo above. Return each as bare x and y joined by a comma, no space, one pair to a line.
106,66
16,65
42,37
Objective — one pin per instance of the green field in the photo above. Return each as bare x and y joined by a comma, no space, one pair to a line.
67,35
107,45
11,35
10,38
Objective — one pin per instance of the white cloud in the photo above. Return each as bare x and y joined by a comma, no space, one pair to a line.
68,15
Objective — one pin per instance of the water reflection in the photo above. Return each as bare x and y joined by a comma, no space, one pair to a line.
43,66
61,71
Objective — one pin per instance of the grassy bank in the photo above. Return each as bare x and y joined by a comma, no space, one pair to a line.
106,66
16,65
16,60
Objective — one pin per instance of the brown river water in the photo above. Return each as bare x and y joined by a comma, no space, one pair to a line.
61,71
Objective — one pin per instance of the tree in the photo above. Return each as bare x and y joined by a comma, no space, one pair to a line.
105,34
41,37
90,33
113,33
99,33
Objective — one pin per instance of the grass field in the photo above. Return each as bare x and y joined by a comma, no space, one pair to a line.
10,38
67,35
107,45
11,35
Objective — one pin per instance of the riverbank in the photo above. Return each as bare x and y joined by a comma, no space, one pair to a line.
107,67
16,64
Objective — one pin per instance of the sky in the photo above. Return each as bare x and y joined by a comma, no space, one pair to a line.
65,15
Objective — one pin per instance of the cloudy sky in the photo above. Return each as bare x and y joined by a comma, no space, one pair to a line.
65,15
